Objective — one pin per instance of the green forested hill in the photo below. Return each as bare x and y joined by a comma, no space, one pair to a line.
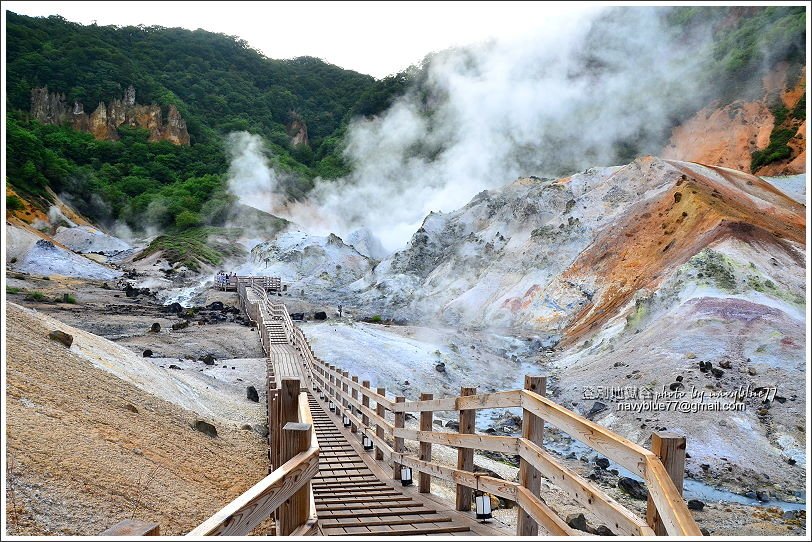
220,84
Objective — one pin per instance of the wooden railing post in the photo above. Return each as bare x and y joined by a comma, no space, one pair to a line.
670,448
380,411
332,382
345,388
365,402
400,423
355,398
465,456
294,512
529,477
424,483
287,411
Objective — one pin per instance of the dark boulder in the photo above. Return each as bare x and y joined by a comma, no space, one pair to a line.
175,367
440,367
298,316
251,393
602,463
633,488
208,359
261,430
717,372
216,306
454,426
577,521
174,307
131,408
205,427
597,408
696,504
61,336
320,315
147,353
180,325
603,530
155,328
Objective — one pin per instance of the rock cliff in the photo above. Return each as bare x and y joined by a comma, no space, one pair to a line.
103,122
297,130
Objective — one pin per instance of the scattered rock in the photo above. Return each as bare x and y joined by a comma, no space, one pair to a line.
208,359
577,521
725,364
62,337
763,496
175,367
696,504
602,462
174,307
705,366
246,427
633,488
205,427
675,386
261,430
679,378
597,408
215,306
717,372
690,355
320,315
251,394
131,408
603,530
438,423
298,316
156,328
751,371
704,531
793,514
180,325
440,367
147,353
454,426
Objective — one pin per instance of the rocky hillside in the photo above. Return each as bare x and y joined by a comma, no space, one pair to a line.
52,108
766,136
564,256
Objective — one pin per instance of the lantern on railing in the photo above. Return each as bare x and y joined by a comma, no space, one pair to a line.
405,475
366,442
346,419
321,394
331,406
483,506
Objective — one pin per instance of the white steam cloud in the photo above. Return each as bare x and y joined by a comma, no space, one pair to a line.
559,100
250,177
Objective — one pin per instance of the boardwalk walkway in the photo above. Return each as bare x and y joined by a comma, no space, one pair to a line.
323,481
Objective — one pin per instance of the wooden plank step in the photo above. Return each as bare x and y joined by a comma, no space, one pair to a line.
377,522
408,531
358,499
408,503
379,513
366,493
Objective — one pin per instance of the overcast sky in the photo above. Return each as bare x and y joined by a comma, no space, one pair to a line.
370,37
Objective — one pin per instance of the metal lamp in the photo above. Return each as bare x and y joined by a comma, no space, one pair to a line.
406,475
332,406
366,442
483,507
346,420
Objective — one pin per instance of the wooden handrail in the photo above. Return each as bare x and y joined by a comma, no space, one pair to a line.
499,399
243,514
492,443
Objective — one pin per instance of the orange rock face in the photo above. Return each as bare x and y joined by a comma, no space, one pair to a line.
724,137
728,136
702,206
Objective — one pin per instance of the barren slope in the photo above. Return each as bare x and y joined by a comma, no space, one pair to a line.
82,459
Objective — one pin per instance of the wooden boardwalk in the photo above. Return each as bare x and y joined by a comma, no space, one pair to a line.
323,481
354,496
